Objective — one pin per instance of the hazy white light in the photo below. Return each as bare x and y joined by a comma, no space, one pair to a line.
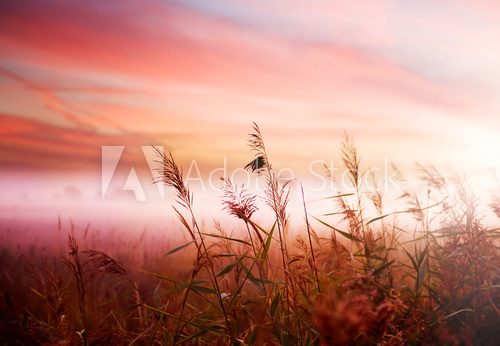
483,148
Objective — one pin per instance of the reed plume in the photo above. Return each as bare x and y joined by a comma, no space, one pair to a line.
237,201
171,175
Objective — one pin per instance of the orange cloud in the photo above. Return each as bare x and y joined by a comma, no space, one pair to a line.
196,79
34,144
215,52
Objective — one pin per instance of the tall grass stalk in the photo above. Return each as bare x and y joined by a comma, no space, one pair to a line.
277,199
171,175
314,267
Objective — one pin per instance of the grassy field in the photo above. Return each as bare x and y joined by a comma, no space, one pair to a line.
353,276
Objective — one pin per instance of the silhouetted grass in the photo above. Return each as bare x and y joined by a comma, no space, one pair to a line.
370,280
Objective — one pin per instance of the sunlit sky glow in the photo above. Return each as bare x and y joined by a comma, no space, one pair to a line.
409,80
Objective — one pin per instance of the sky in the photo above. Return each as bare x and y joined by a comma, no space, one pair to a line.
410,81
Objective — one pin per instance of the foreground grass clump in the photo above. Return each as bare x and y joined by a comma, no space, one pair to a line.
371,281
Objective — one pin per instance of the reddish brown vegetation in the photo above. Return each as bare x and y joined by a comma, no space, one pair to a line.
371,281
